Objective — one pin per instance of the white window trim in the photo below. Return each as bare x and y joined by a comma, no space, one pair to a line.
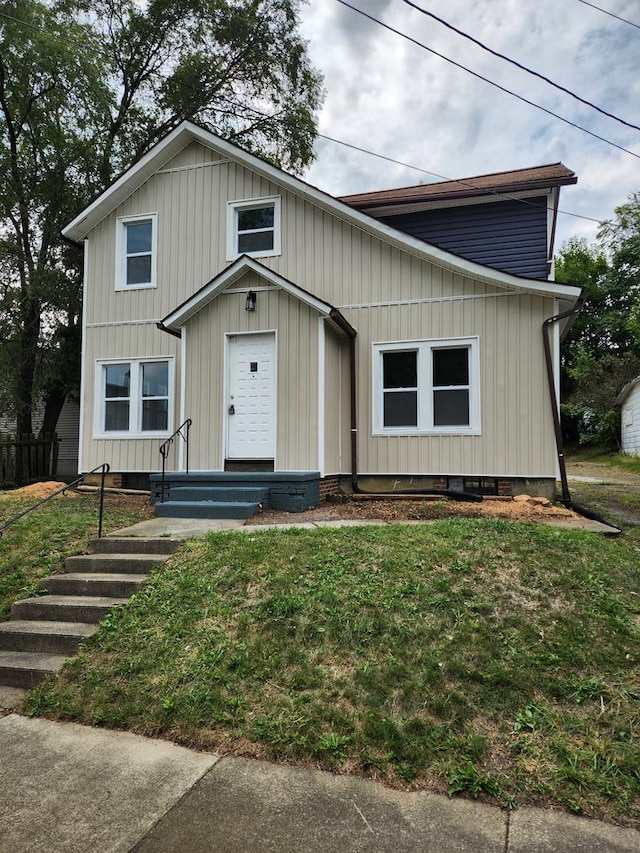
232,226
424,348
121,251
135,398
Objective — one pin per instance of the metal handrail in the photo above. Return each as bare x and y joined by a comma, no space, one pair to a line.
104,469
166,445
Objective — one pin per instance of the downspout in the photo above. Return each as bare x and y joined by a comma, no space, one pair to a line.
555,410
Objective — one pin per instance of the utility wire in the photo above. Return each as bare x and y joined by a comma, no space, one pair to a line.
445,178
486,79
518,64
373,153
606,12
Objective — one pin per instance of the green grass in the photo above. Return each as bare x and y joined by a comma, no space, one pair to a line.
488,658
37,545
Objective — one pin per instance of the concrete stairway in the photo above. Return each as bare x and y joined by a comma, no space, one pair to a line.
46,630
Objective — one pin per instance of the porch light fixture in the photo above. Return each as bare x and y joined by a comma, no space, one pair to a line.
252,298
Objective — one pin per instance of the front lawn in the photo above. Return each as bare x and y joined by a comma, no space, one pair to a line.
481,657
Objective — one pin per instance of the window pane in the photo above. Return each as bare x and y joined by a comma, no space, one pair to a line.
401,409
117,380
451,408
116,416
155,379
260,242
155,415
138,238
139,270
451,366
400,369
255,217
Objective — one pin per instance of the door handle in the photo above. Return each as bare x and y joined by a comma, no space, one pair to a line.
232,409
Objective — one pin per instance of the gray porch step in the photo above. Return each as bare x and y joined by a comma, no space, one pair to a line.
65,608
26,669
229,493
206,509
58,638
120,564
133,545
93,584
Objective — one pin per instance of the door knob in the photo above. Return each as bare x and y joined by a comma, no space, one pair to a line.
232,409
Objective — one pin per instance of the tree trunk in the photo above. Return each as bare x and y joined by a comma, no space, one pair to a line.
52,408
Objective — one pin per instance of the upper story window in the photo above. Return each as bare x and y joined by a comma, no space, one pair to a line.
135,398
253,228
136,240
427,387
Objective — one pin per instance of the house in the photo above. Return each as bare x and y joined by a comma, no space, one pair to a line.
314,342
629,401
67,430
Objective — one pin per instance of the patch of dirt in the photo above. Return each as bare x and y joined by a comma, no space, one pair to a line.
412,510
602,473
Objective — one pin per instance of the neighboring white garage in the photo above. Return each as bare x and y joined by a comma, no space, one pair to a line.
629,401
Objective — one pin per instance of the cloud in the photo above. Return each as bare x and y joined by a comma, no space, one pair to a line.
392,97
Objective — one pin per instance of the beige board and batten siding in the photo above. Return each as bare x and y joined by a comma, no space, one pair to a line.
336,404
124,342
516,437
296,326
356,271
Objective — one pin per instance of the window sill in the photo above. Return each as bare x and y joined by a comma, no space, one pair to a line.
131,435
124,287
274,253
402,431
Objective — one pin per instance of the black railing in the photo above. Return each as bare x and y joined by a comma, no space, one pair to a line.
103,469
183,433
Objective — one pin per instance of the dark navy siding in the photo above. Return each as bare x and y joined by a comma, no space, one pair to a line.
508,235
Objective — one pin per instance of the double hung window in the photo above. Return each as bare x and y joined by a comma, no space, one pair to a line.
254,228
427,387
136,252
135,397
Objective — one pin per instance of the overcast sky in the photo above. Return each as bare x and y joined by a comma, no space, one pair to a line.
394,98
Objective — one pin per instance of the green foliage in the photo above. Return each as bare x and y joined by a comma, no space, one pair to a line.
86,88
602,349
371,648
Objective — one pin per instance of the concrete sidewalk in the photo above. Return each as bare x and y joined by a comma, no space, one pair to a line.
66,788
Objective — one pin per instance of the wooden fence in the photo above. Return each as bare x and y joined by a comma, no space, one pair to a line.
28,458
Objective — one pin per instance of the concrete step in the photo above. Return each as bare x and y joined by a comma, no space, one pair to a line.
65,608
133,545
220,493
26,669
120,564
206,509
92,583
58,638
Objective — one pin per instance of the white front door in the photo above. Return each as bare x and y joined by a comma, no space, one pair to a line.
251,396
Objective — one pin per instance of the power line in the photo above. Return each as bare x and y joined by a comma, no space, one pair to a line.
519,65
606,12
445,178
486,79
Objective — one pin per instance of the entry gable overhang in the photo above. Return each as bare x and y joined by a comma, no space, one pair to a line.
230,276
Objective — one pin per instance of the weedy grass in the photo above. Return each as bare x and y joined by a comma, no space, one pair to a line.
37,545
489,658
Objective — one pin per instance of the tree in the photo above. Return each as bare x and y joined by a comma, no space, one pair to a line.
85,89
602,350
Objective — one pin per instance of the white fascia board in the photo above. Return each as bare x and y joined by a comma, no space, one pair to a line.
243,265
187,132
